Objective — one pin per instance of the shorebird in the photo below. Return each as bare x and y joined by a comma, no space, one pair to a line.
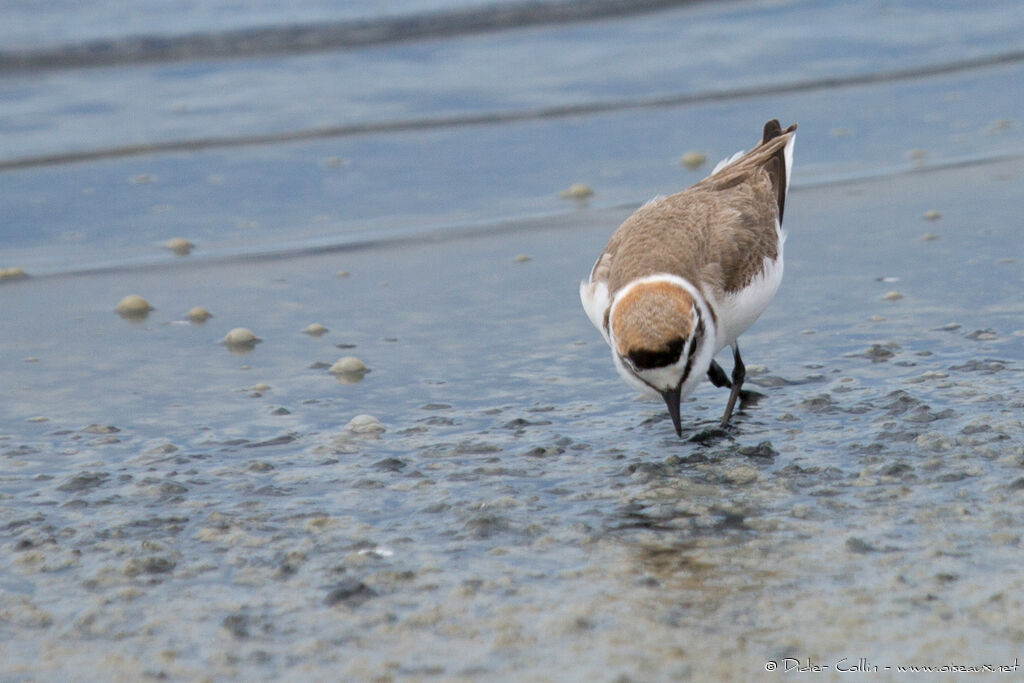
687,274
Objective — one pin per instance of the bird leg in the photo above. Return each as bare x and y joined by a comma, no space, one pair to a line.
717,376
739,372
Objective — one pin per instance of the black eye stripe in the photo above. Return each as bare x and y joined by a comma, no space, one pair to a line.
643,359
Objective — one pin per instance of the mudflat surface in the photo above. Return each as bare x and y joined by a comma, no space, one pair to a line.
173,508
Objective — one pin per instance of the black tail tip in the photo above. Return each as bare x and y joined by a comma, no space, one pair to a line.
773,129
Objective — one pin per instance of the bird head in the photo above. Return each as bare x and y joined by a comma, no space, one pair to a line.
660,339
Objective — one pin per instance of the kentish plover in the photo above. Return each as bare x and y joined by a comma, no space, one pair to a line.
685,275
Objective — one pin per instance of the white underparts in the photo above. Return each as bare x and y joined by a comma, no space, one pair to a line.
738,311
787,152
594,297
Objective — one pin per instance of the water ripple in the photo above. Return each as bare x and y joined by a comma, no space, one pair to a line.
515,115
302,38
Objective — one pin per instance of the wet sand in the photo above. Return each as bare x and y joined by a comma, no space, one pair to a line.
170,507
189,492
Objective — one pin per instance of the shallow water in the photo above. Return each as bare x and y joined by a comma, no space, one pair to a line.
522,507
171,508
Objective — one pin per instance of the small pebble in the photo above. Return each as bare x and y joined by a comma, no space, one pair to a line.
241,338
932,215
523,258
859,545
95,428
917,154
199,314
179,245
693,160
576,191
364,424
315,330
336,162
143,179
342,273
741,475
260,387
12,274
934,441
349,365
876,319
929,237
350,592
892,296
133,306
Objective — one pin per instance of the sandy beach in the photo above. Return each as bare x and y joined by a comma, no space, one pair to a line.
486,500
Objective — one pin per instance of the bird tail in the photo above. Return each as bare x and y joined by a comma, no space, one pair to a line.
780,164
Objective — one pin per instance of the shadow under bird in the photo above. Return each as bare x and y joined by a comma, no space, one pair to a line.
687,274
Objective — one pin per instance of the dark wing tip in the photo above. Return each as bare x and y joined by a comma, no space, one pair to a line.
773,129
776,169
776,164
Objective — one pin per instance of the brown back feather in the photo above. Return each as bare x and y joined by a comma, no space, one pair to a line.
724,213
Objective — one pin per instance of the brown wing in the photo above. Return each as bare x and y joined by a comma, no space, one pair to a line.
770,156
719,231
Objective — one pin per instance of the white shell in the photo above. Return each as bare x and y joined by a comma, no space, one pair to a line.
241,336
133,305
364,424
349,365
198,314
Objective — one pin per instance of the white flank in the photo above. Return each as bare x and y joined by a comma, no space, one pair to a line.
738,311
594,297
787,151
